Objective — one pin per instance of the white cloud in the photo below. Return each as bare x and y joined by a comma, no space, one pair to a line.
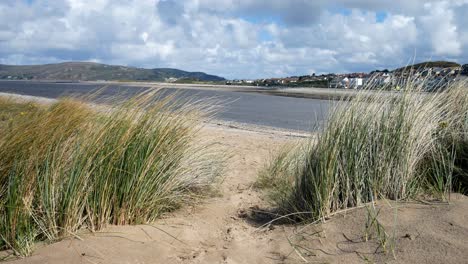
235,39
440,26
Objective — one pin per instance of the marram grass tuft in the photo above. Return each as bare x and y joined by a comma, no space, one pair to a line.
72,165
393,145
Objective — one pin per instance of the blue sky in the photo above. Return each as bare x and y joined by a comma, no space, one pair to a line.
236,38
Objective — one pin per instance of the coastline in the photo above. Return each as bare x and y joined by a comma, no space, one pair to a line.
296,92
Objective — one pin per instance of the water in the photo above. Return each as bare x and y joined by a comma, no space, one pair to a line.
250,108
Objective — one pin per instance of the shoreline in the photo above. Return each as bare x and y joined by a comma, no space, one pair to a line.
210,124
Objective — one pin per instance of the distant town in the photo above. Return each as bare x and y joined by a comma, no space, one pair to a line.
435,74
438,74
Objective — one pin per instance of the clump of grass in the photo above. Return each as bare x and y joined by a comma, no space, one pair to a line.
389,145
375,230
70,166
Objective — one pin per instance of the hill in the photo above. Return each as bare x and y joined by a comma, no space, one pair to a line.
430,64
89,71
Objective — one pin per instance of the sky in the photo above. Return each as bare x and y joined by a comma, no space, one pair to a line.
236,39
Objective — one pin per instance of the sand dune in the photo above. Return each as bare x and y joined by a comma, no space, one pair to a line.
222,229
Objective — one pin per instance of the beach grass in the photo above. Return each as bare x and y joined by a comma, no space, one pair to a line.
70,166
398,146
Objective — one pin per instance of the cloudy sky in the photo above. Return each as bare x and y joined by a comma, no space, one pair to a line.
235,38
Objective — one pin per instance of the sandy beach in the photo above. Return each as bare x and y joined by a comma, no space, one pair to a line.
299,92
227,227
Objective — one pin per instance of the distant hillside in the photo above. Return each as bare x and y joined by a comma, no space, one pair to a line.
88,71
430,64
